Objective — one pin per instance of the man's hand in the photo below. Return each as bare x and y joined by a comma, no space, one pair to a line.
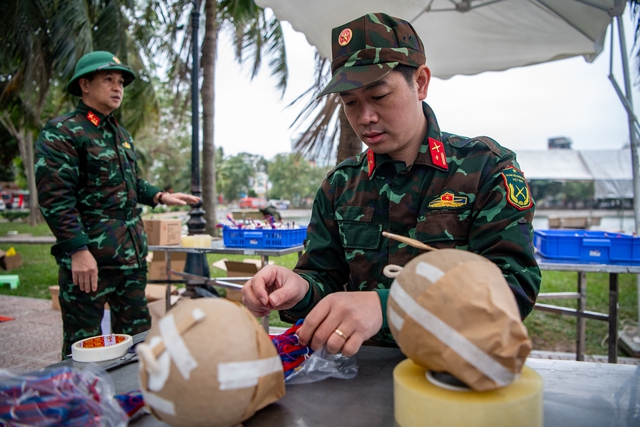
273,288
356,315
176,199
84,270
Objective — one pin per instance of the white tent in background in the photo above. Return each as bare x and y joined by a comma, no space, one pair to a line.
612,173
610,170
554,165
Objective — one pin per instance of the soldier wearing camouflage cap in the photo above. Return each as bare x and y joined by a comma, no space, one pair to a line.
89,186
414,180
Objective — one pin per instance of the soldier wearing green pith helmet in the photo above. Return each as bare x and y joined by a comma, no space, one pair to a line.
415,180
89,188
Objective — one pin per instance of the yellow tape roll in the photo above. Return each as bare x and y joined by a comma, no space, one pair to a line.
418,402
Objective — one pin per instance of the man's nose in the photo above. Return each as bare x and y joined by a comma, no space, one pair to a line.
367,115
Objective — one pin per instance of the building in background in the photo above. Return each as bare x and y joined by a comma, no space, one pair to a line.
559,143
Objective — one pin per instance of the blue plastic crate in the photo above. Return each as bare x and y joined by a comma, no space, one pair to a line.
586,246
263,238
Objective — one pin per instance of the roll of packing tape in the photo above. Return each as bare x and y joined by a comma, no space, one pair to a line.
102,347
418,402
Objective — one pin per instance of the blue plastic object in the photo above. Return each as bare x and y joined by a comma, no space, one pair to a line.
263,238
586,246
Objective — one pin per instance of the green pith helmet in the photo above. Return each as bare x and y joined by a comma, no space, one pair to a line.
98,61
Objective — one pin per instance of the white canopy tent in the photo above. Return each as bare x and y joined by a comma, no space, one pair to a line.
610,170
555,165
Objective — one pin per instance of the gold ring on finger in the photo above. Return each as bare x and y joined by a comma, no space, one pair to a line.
341,334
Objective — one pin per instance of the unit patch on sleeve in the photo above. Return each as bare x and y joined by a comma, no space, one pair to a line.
518,193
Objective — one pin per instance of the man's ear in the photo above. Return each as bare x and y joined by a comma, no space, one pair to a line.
422,78
83,82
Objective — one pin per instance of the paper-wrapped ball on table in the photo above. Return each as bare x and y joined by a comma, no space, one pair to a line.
208,363
453,311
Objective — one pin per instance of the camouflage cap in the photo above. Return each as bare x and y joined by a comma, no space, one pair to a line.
368,48
97,61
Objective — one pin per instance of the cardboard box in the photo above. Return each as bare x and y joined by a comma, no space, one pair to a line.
158,308
10,262
158,265
246,268
163,232
155,292
55,304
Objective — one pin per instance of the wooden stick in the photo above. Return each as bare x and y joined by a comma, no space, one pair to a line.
409,241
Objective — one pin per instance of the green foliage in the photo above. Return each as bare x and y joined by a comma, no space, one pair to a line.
293,178
234,175
13,215
165,150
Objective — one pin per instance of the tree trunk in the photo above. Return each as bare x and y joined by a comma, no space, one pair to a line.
209,47
25,147
349,144
35,217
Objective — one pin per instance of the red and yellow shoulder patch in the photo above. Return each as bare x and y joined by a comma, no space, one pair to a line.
95,120
518,193
438,155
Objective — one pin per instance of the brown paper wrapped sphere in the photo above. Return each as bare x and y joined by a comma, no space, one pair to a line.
469,295
227,333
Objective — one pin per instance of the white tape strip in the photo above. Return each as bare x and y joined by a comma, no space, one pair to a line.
452,338
395,319
161,404
176,347
234,375
429,272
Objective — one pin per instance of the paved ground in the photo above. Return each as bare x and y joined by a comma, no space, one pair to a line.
33,340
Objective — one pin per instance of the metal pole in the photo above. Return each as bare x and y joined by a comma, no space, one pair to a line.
196,222
633,142
196,263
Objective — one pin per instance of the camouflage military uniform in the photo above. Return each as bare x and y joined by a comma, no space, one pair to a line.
476,200
88,189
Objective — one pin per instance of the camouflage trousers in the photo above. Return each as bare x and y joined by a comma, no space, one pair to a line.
82,312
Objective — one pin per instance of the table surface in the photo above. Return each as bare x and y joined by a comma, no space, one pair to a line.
551,264
576,394
218,247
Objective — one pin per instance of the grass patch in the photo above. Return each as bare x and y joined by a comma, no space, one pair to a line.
24,228
548,331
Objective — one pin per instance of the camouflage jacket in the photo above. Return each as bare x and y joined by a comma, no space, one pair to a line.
476,199
89,186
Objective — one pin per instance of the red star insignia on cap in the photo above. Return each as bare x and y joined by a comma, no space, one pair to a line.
438,155
345,37
93,118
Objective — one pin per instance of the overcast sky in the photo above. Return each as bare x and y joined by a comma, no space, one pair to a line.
521,108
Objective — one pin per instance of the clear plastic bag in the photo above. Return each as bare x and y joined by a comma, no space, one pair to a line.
60,397
321,365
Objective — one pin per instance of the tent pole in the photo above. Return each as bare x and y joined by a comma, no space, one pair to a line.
633,142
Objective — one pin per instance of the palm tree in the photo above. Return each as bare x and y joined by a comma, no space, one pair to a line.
255,35
329,125
41,41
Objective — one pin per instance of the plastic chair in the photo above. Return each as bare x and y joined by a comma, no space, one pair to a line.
12,279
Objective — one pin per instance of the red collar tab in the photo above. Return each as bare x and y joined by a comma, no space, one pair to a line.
95,120
438,155
371,162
